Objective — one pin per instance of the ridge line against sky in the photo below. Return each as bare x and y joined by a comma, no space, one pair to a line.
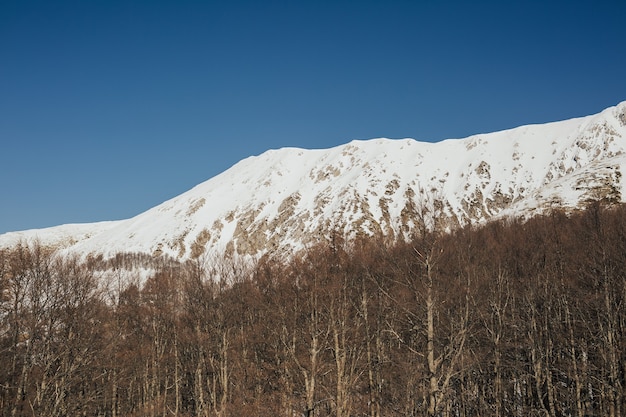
108,108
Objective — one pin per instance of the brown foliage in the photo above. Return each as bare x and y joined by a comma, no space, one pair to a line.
512,318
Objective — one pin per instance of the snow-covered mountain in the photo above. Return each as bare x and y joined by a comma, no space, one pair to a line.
290,198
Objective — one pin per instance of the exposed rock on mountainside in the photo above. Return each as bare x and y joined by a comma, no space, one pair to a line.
287,199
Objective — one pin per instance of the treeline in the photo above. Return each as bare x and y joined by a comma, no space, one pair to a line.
513,318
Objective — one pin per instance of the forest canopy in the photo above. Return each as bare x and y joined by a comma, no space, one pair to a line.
511,318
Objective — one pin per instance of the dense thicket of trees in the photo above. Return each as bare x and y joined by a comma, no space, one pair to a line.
511,318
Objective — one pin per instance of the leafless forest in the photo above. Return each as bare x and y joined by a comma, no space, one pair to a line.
513,318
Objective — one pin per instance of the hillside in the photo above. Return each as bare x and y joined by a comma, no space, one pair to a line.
287,199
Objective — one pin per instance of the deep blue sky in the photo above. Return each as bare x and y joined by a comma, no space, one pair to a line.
108,108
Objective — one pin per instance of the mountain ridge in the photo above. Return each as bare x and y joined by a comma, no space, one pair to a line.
286,199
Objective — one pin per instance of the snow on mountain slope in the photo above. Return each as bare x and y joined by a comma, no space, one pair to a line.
287,199
58,236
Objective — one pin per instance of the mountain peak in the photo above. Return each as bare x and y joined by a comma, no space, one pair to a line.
287,199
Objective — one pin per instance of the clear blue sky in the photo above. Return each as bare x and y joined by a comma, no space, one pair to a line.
108,108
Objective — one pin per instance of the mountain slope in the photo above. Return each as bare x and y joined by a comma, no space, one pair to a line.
290,198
